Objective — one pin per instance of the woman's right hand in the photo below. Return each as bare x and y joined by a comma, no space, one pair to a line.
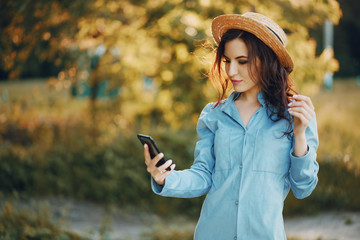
158,173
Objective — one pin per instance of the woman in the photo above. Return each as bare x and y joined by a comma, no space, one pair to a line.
255,145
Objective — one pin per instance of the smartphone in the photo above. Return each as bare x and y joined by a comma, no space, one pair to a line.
153,149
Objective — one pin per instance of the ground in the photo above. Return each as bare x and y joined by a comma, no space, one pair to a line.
89,219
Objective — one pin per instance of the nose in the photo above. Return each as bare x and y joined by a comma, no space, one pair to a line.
232,69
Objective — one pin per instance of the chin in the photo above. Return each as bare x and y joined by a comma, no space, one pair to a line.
239,89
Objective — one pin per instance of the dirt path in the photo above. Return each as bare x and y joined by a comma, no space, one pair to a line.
325,226
130,225
119,224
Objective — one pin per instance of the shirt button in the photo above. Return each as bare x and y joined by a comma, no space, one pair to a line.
237,202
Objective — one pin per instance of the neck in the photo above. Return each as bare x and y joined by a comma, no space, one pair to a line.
250,96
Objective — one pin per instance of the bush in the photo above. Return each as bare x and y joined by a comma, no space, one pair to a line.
110,173
337,189
35,224
164,232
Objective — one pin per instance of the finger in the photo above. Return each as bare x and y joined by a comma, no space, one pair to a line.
147,155
156,159
163,167
302,116
298,106
306,99
301,106
298,115
161,177
172,167
301,99
300,110
309,109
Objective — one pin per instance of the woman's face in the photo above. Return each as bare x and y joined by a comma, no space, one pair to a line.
237,68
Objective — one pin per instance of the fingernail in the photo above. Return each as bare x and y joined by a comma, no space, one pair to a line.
161,155
145,146
290,104
295,96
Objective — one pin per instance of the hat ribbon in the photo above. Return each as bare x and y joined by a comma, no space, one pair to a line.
275,35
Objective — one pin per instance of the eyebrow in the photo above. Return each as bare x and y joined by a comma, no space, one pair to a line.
238,57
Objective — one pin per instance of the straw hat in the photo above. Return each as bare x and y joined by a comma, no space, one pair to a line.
262,27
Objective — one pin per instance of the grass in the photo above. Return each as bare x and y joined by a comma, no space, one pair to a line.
38,98
25,223
338,114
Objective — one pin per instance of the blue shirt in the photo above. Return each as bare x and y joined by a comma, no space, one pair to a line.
246,172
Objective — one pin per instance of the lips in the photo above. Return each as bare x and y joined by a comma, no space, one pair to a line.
236,81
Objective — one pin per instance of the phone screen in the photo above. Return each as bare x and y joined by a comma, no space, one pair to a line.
153,149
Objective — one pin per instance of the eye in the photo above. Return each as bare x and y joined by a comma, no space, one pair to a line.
243,62
226,60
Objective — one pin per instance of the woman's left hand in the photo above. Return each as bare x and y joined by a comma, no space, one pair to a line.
303,111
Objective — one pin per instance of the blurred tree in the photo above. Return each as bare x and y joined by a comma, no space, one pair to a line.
346,39
154,49
37,32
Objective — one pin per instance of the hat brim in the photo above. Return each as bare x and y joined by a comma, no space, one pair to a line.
223,23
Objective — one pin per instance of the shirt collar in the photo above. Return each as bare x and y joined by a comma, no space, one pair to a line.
260,96
229,107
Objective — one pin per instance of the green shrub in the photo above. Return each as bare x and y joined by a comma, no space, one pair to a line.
31,224
337,189
165,232
112,173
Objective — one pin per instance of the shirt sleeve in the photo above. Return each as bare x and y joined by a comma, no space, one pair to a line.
197,180
303,172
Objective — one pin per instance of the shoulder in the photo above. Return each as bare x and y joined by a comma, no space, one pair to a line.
212,107
216,107
212,113
209,117
206,110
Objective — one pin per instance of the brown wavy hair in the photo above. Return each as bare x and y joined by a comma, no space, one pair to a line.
274,79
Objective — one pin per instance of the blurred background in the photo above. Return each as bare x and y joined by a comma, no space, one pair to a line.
80,78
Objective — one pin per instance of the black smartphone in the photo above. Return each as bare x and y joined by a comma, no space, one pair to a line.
153,149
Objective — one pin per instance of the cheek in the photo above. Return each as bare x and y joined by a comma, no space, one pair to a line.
244,70
227,68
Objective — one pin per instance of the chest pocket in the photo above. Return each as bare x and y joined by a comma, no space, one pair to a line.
222,150
272,152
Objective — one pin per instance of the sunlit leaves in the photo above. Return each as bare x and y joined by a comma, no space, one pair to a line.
153,39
